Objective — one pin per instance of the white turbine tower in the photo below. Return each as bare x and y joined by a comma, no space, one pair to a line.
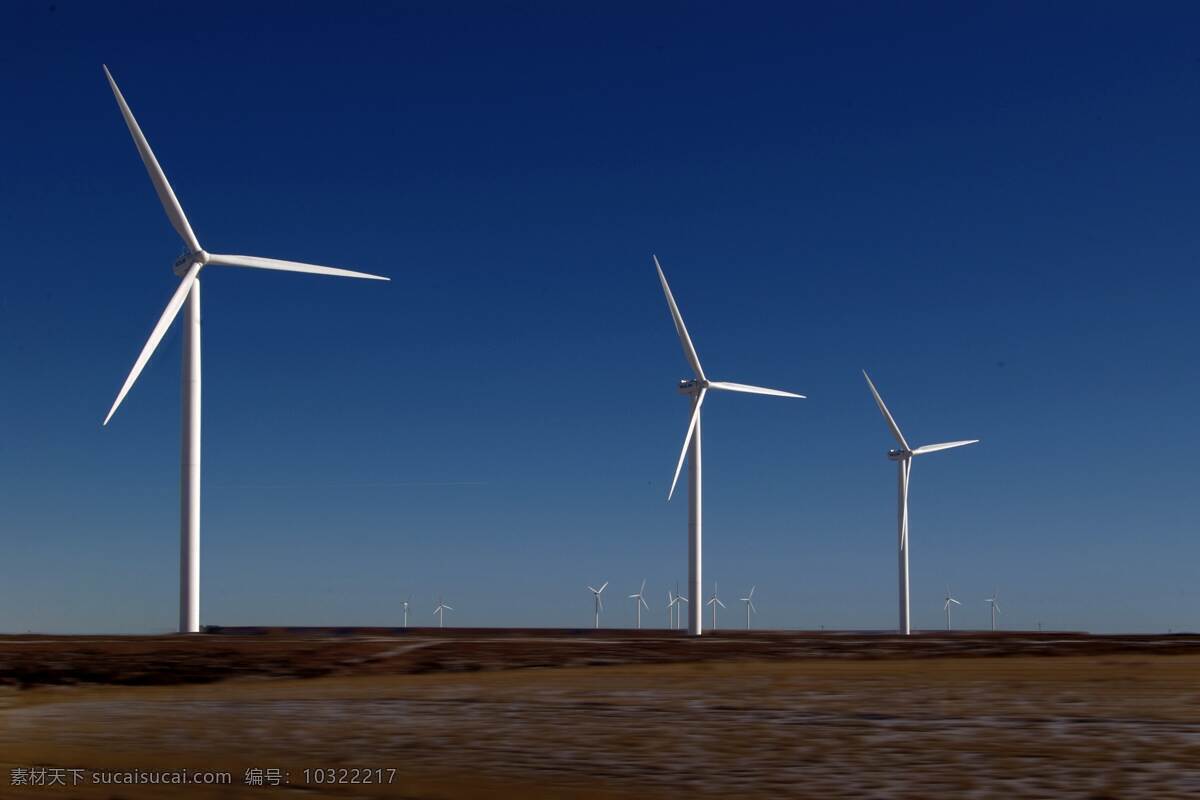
903,458
641,601
995,607
599,604
440,611
949,602
697,389
749,601
671,602
715,601
405,604
187,296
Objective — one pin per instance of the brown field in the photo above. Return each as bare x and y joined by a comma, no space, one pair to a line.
607,714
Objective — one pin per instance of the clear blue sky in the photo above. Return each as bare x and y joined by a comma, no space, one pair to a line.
992,208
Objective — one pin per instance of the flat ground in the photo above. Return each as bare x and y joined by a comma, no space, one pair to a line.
607,714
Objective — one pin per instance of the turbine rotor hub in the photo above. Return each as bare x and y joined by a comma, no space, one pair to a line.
185,262
691,387
899,455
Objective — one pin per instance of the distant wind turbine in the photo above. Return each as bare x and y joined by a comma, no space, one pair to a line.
697,388
749,601
441,610
405,604
599,604
187,297
903,458
715,601
995,607
641,601
949,602
674,603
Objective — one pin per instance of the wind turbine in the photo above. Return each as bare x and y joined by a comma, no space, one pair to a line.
187,297
749,601
672,600
599,604
903,458
949,602
679,602
715,601
405,604
441,610
995,607
697,389
641,601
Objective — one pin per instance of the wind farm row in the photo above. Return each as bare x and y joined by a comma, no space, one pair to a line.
676,601
186,300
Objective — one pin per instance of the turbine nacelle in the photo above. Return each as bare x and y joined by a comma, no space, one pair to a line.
185,262
899,455
691,387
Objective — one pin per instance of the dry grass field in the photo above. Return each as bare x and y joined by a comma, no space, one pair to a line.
607,714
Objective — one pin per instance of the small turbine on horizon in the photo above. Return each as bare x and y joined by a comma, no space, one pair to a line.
995,607
697,388
715,601
749,601
405,604
598,606
903,458
949,602
440,611
641,601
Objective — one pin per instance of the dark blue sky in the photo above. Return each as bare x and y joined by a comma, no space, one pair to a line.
990,207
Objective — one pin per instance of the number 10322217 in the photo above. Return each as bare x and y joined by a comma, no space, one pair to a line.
350,775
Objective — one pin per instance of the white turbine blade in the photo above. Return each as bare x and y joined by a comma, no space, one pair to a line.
600,602
742,387
886,414
156,335
952,600
945,605
448,608
680,328
752,608
752,588
602,586
642,600
166,195
642,590
633,596
683,599
590,589
722,605
687,441
933,448
256,262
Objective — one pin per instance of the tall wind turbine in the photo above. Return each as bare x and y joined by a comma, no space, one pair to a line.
949,602
641,601
441,610
671,603
405,604
903,458
715,601
187,297
599,604
697,388
995,607
749,601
